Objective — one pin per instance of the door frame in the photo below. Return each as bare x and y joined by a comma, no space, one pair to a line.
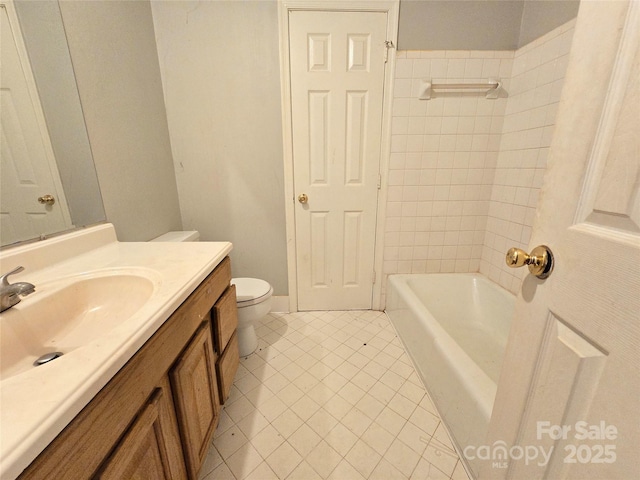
391,8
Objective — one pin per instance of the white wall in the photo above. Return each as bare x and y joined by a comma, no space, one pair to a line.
114,56
220,71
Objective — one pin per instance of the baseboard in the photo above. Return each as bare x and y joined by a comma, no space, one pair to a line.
280,303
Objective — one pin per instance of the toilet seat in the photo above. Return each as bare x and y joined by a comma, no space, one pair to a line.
250,291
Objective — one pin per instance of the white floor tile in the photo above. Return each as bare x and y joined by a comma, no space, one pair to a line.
222,472
341,439
287,423
329,395
262,472
284,460
345,471
363,458
356,421
402,457
322,422
324,459
378,438
244,461
385,471
267,441
230,441
304,440
304,471
252,424
305,407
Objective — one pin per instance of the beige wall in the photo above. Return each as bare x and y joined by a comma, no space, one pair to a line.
114,55
220,70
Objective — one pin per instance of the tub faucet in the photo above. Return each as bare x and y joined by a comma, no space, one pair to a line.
10,292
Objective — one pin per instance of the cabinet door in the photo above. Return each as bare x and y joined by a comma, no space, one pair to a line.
151,447
225,318
195,392
227,367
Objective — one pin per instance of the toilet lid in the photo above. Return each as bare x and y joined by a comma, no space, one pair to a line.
249,290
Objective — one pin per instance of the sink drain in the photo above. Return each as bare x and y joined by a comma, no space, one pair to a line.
47,357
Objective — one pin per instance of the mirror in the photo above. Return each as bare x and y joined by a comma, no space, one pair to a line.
48,179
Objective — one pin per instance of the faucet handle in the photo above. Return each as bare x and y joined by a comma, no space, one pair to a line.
3,278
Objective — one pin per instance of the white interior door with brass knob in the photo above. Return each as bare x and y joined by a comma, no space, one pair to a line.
337,66
28,170
570,380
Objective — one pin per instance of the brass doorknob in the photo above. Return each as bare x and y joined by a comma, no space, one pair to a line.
540,261
47,199
302,198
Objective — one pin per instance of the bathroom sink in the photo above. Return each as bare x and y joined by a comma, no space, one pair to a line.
64,315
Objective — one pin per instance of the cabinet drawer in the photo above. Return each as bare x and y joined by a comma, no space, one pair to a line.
209,291
225,315
227,366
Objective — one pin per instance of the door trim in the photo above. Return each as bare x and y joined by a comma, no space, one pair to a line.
391,8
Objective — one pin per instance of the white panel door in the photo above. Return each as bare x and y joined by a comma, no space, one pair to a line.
571,377
337,76
27,164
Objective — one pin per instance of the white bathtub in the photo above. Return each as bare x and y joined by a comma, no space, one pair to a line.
455,328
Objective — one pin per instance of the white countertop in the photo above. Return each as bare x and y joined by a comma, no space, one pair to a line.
36,405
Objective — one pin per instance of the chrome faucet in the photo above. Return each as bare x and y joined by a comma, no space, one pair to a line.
10,292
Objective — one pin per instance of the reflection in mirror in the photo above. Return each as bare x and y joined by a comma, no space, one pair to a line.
44,146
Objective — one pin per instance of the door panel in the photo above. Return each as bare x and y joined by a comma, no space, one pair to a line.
573,357
337,74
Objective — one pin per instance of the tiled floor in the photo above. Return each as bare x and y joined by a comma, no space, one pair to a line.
329,395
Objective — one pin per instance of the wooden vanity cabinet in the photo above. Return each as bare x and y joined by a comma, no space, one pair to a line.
156,416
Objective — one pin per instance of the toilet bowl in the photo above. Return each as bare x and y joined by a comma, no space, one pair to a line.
254,302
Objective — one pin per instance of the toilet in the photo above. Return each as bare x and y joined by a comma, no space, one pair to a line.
254,302
186,236
253,297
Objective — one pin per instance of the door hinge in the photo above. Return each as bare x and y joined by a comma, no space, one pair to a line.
388,44
379,181
374,277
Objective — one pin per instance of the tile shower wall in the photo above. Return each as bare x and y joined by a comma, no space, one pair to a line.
443,157
536,82
465,171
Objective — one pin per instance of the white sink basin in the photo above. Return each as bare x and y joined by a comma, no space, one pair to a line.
64,315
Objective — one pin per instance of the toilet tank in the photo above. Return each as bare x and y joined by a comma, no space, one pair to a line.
187,236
